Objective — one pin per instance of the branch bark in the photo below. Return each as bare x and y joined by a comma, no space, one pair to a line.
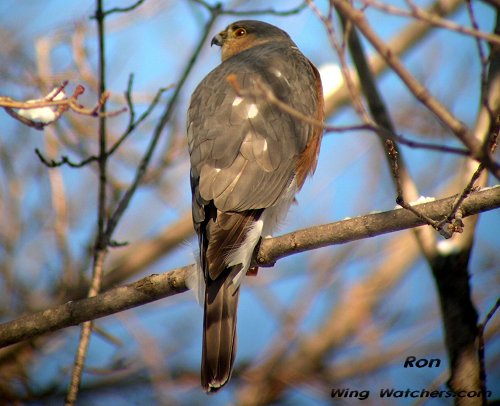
155,287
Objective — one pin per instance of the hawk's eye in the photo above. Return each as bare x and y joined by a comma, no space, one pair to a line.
240,32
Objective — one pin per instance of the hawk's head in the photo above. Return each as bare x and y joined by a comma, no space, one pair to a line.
245,34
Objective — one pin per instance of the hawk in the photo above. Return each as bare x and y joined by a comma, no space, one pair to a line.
249,158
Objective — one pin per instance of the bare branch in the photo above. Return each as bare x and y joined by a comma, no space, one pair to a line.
399,45
133,123
260,89
466,192
340,47
64,161
382,117
119,9
400,199
102,239
269,11
434,19
480,334
419,91
155,287
164,119
363,227
146,290
39,113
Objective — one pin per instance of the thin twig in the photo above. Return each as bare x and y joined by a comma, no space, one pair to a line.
165,118
64,161
120,9
405,40
269,11
482,55
133,124
480,350
431,18
393,155
267,93
85,333
260,89
350,82
460,199
417,144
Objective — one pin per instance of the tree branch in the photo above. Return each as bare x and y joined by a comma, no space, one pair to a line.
434,19
164,119
419,91
268,11
155,287
400,44
403,182
120,9
102,239
39,113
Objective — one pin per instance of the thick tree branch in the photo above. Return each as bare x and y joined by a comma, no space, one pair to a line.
370,225
156,287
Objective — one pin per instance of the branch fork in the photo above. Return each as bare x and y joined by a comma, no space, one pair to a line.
38,113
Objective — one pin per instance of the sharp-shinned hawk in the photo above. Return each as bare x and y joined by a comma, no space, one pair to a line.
249,157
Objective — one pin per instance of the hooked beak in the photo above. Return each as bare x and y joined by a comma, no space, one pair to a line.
218,39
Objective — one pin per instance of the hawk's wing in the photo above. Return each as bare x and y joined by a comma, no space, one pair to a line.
245,151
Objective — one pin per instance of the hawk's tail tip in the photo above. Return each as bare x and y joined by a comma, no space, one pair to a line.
214,385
